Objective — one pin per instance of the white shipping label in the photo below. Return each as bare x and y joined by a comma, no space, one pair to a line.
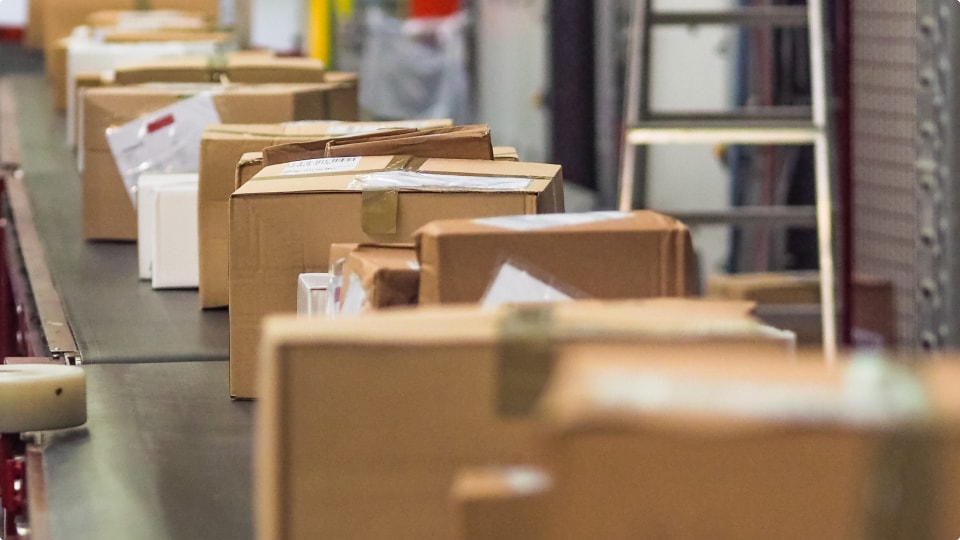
321,165
536,222
167,140
348,128
417,180
513,285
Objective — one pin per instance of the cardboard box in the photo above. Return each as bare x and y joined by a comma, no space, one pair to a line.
222,151
175,255
768,287
598,254
72,13
505,153
750,450
457,142
150,20
312,294
423,138
874,312
93,56
33,38
238,69
147,186
249,164
363,422
500,503
56,66
302,214
378,277
107,212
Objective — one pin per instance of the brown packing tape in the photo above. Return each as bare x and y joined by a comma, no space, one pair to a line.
526,358
379,211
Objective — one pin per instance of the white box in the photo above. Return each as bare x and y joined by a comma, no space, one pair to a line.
312,294
147,185
176,252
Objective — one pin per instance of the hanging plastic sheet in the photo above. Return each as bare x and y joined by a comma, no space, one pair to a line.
415,68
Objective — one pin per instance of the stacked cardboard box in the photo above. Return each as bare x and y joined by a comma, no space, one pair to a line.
283,221
60,17
597,254
750,450
378,277
221,151
364,422
107,212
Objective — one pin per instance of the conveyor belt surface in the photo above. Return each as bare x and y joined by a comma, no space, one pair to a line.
164,454
115,317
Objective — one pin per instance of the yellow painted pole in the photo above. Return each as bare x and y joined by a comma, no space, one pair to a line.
320,30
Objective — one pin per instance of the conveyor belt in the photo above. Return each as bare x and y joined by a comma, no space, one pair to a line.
115,317
165,454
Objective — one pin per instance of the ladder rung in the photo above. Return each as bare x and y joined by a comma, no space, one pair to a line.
786,112
743,132
749,215
753,16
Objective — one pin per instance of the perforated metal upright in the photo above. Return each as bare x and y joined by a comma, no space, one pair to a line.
937,285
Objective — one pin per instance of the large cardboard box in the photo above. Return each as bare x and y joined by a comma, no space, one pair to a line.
750,450
107,212
221,151
378,277
597,254
283,221
364,422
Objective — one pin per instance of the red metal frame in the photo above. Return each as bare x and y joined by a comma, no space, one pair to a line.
13,483
842,53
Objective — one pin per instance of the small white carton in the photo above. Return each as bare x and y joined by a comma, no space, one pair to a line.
147,186
176,252
312,294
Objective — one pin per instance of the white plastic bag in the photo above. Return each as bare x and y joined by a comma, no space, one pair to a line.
415,68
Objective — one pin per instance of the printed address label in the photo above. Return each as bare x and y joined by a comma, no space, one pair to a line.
548,221
321,165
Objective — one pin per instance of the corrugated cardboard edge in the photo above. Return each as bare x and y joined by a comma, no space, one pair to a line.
268,468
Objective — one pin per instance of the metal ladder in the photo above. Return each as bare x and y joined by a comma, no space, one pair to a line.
760,126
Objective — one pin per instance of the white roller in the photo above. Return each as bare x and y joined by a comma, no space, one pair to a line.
38,397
